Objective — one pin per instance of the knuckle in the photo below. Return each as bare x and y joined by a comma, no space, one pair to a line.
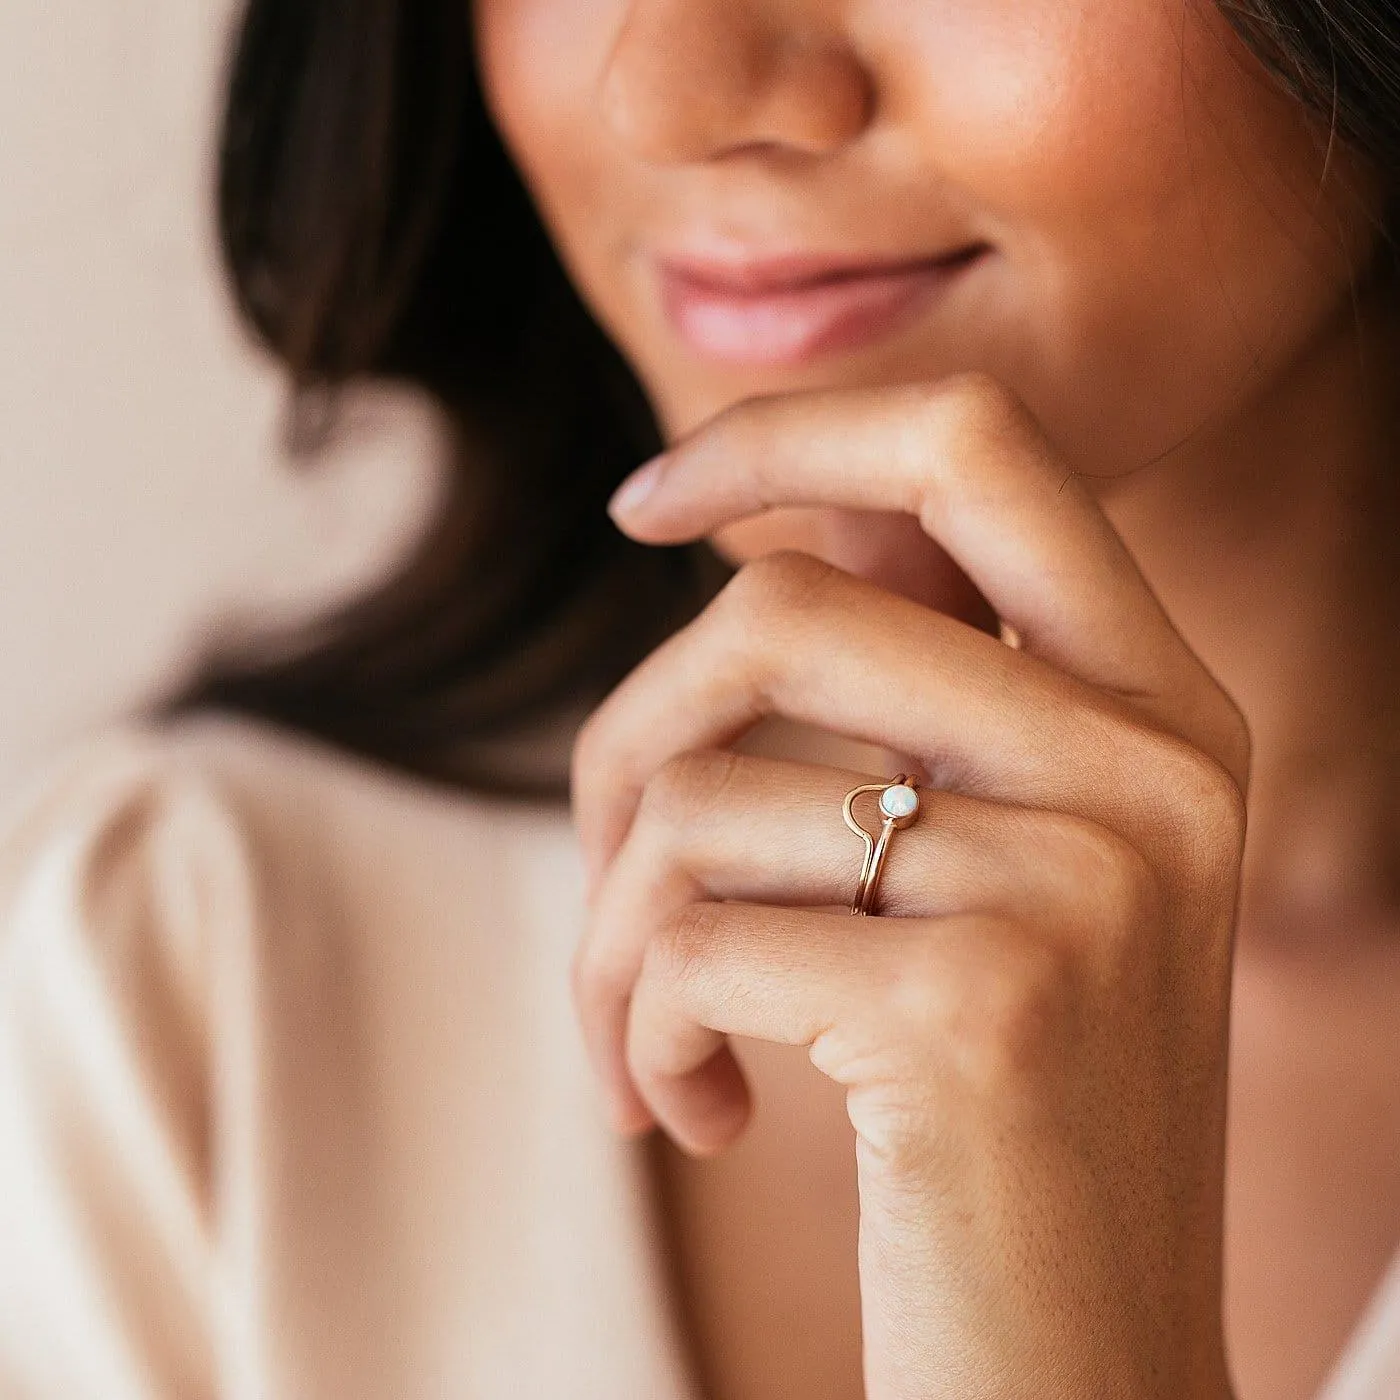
582,977
731,429
983,430
581,755
688,787
992,1016
769,593
1120,881
899,1126
1205,805
679,949
979,409
589,755
1236,746
1013,1014
594,980
917,1001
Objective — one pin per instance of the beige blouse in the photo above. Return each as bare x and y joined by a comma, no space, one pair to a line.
292,1101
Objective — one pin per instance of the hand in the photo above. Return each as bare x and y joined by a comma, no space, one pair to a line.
1033,1039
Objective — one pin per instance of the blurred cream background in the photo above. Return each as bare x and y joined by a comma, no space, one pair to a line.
145,503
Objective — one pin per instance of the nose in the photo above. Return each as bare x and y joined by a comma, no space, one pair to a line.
693,80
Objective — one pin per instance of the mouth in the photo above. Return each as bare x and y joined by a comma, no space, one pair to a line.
791,309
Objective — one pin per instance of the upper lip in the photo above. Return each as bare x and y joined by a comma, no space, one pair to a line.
757,274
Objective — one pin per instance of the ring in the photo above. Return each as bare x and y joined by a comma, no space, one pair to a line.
899,806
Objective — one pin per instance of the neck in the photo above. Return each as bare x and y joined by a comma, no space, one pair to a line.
1274,547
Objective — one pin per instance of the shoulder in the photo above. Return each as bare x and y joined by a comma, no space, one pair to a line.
189,788
194,831
237,970
121,866
125,829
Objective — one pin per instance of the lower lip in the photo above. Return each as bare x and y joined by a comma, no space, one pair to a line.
796,324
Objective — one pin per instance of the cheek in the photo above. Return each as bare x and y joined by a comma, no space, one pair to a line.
1113,115
1165,248
540,63
1170,243
534,55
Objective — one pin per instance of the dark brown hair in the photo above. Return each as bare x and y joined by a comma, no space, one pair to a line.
373,226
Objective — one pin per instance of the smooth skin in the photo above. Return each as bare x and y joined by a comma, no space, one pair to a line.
1143,433
1033,1052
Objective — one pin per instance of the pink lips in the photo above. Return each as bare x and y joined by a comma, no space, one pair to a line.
789,310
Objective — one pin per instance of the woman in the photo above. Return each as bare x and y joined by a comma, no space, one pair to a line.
1033,366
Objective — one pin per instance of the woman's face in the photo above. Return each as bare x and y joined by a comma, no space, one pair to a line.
1104,203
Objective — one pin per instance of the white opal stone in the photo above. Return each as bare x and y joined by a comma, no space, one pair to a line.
899,801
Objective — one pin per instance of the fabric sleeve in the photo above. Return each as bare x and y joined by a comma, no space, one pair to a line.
124,886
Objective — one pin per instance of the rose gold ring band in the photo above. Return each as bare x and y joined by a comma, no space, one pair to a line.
899,807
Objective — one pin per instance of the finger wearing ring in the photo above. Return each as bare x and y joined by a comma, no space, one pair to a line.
899,807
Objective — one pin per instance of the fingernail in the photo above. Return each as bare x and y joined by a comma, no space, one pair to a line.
636,488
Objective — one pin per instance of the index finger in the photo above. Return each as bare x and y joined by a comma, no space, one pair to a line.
969,462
